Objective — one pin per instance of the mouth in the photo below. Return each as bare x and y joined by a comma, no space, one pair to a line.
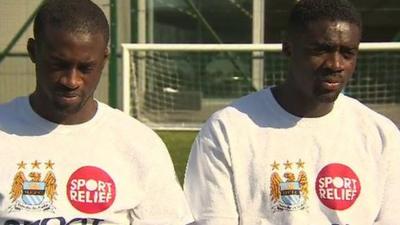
67,97
331,84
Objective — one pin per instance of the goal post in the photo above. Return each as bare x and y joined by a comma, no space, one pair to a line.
178,86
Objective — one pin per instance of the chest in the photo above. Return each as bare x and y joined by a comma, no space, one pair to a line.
68,178
335,175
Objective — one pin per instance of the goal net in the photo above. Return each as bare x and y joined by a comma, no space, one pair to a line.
178,86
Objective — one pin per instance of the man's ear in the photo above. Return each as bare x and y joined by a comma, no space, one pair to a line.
286,48
106,53
31,47
106,56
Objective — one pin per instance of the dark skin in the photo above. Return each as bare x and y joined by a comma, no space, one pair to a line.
68,70
322,60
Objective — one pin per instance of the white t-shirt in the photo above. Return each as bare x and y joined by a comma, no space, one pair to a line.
253,163
109,170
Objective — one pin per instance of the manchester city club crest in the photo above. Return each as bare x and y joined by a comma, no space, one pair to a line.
29,191
290,192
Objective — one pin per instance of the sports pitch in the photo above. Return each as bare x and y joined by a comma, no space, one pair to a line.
178,144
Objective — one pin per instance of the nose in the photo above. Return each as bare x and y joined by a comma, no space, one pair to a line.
71,79
335,62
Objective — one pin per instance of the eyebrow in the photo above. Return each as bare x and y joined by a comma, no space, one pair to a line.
330,45
90,61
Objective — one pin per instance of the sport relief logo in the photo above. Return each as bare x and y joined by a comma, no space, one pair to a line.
337,186
91,190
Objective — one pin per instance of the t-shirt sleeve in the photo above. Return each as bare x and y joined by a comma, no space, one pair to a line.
389,210
164,202
209,180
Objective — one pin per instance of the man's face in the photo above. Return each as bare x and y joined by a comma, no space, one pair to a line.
323,59
68,69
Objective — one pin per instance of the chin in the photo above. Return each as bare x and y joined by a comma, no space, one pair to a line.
328,97
67,109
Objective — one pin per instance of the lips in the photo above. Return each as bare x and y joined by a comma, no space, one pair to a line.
64,92
67,97
331,83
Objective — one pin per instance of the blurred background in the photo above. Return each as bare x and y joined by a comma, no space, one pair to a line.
209,76
181,89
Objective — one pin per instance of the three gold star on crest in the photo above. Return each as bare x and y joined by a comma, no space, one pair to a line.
288,165
36,164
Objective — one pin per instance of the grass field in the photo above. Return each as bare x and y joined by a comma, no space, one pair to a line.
178,144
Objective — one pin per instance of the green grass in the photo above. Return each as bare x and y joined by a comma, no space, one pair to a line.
178,144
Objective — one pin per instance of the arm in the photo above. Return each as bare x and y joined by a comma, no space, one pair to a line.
389,210
164,202
209,179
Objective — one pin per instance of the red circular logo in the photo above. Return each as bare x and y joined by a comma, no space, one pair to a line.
337,186
90,190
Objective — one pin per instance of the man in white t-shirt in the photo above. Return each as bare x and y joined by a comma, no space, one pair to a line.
300,153
68,158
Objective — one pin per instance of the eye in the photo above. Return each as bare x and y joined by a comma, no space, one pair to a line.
59,65
86,68
349,53
319,50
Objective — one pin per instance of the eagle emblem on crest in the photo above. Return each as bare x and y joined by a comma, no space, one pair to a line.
31,192
289,193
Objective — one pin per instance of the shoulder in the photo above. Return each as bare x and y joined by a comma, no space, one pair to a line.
250,110
362,111
11,106
9,111
367,118
241,114
243,107
128,128
134,139
120,120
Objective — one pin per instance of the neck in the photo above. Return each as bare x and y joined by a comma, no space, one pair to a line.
298,104
66,117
